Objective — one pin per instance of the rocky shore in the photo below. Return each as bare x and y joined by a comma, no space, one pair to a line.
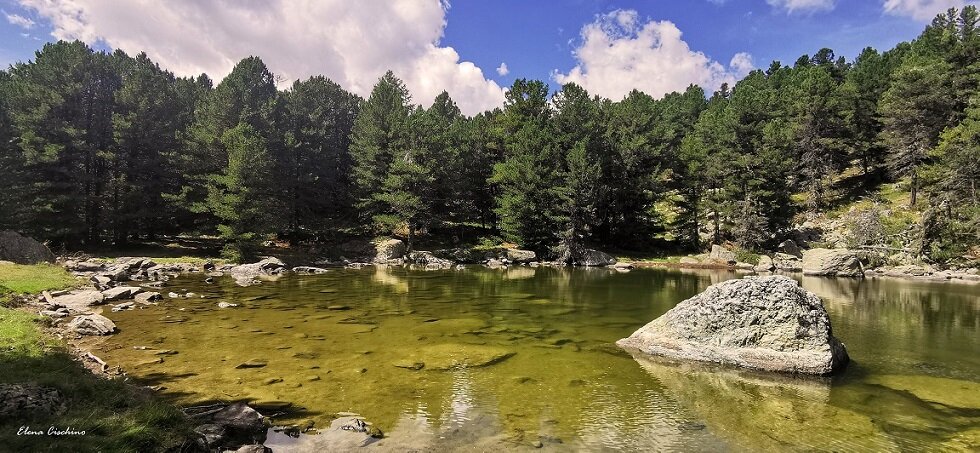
845,263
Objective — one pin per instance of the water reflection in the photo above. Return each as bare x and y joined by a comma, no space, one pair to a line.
340,341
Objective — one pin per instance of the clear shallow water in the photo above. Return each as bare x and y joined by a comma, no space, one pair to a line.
348,341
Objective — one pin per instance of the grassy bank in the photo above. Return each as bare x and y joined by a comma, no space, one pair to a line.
115,416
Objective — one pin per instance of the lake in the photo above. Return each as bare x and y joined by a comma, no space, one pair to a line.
481,359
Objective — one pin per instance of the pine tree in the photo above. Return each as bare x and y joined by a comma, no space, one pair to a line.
915,109
316,166
61,106
146,136
380,133
242,197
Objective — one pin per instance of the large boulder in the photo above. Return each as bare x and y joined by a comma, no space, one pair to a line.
832,262
428,260
388,249
92,325
247,274
789,247
520,256
764,323
121,292
765,264
23,250
722,255
786,262
79,301
593,258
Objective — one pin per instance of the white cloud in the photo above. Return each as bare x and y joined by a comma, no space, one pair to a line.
502,69
923,10
619,53
793,6
352,42
18,20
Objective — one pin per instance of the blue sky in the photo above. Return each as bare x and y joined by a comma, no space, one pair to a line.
608,46
534,37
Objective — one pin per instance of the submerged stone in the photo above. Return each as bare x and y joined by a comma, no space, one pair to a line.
945,391
254,363
455,356
765,323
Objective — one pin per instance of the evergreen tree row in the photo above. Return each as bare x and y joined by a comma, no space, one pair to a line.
98,147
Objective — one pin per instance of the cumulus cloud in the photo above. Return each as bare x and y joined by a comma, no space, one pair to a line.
502,69
352,42
793,6
18,20
619,52
923,10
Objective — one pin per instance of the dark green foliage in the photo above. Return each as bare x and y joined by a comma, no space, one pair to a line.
316,165
381,132
61,104
243,196
98,147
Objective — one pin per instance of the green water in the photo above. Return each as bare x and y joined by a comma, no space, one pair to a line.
331,343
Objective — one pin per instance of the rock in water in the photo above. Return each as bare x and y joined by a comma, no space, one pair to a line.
23,250
832,262
247,274
388,250
765,323
593,258
92,325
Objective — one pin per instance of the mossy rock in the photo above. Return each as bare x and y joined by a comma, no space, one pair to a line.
453,356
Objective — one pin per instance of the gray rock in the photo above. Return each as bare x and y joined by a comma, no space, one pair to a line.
92,325
765,264
121,292
18,401
787,263
226,305
85,266
593,258
721,254
79,301
766,323
242,424
23,250
309,270
247,274
388,249
520,256
100,281
124,306
832,262
60,313
789,247
212,434
428,260
116,273
253,448
147,297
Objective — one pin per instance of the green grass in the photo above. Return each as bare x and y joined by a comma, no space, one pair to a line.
21,279
114,415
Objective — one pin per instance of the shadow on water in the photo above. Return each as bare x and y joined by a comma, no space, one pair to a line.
386,343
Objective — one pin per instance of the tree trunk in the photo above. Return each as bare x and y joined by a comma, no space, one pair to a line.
915,189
